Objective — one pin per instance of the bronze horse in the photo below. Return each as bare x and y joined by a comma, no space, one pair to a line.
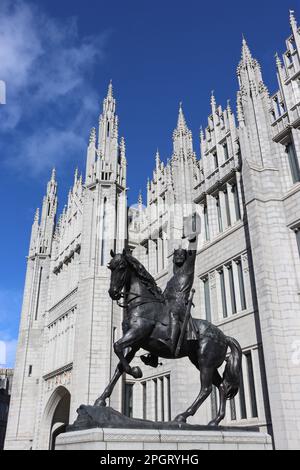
146,327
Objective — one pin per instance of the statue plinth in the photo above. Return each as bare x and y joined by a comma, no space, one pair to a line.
105,429
90,417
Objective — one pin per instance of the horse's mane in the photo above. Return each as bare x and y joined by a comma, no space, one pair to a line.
144,276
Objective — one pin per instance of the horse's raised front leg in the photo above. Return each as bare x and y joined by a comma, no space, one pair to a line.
206,375
139,330
101,401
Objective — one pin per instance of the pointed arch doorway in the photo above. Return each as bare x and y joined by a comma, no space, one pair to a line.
56,417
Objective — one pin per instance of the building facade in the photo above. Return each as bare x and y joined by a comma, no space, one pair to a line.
6,376
246,189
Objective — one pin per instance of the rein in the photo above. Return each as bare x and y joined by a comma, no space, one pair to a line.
146,300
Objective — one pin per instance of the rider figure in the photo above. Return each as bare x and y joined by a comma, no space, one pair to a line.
177,294
178,289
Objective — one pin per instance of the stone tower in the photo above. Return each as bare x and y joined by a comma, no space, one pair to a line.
28,368
68,321
268,200
103,229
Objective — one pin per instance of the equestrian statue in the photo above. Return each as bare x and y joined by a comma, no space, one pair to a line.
161,323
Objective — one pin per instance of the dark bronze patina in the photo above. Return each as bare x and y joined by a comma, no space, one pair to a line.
154,321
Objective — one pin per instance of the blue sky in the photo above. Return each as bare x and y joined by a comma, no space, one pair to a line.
57,58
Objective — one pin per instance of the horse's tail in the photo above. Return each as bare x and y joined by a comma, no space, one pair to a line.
231,376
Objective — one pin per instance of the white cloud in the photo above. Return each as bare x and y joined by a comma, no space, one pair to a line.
47,68
8,348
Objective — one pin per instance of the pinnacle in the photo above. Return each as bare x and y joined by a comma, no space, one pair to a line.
292,18
37,215
213,100
278,61
140,199
53,175
93,135
246,53
110,90
157,157
181,123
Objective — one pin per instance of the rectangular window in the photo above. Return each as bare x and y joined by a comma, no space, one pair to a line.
30,371
297,233
242,397
220,223
227,208
128,400
216,161
206,224
232,290
168,379
223,294
241,285
207,299
232,410
157,255
226,153
155,399
251,385
236,202
293,162
162,396
144,385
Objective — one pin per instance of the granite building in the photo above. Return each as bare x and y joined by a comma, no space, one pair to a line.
6,376
245,186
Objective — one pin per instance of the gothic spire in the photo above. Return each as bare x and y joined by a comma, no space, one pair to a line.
246,53
37,216
213,101
93,135
52,184
278,61
157,158
110,90
229,107
53,175
181,123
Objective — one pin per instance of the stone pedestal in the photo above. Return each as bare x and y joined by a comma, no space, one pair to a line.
152,439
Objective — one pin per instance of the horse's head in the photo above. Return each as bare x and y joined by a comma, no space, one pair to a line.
119,267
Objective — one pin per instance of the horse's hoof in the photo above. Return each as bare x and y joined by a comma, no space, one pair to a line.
136,372
180,419
100,402
212,423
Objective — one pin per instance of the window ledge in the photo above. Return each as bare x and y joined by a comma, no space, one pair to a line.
235,316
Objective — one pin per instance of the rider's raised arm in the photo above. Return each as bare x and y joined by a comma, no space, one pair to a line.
192,251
